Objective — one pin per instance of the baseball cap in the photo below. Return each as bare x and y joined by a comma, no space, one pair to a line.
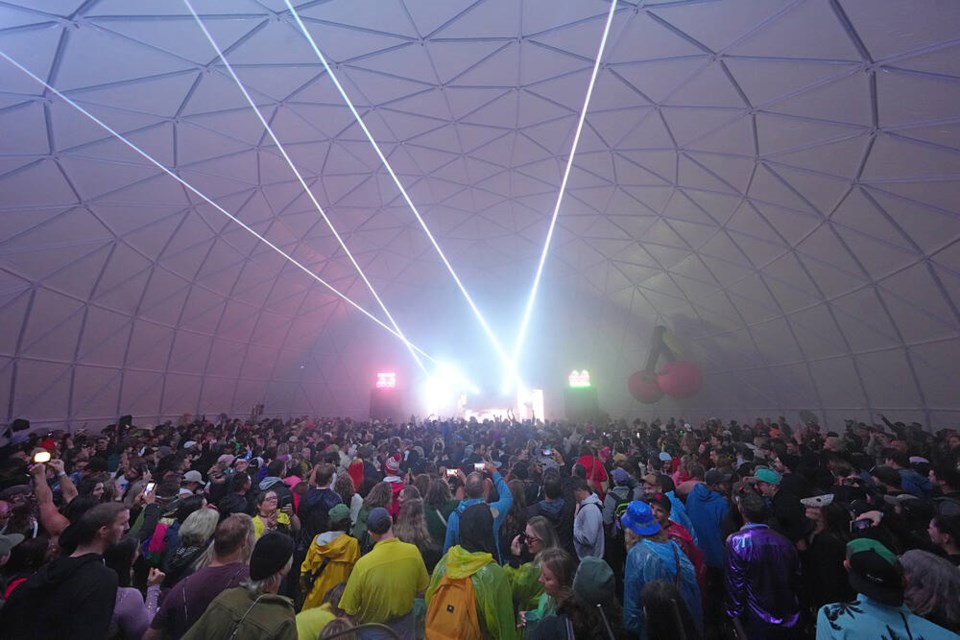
639,519
192,476
875,571
620,476
765,474
379,521
817,501
665,457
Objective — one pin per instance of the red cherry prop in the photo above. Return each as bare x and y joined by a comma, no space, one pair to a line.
644,387
679,379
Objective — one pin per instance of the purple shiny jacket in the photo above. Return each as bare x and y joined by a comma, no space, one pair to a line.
762,575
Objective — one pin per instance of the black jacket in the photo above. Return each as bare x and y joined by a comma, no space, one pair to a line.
68,598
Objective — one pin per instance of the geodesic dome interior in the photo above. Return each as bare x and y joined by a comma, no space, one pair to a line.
776,181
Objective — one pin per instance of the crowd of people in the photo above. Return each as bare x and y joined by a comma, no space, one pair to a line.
312,528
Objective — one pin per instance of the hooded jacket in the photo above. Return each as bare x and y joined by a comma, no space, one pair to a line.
588,528
706,510
67,598
491,589
498,508
341,552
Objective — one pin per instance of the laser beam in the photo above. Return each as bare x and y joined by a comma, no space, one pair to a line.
303,183
528,310
501,353
146,156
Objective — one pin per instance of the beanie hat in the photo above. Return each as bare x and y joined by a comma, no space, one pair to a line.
594,582
270,555
339,514
393,465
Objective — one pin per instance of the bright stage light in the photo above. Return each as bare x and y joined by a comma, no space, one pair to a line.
579,379
527,312
386,380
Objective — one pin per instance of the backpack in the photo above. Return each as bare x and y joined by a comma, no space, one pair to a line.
452,613
615,530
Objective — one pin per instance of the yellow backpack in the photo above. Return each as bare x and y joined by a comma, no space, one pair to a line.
452,613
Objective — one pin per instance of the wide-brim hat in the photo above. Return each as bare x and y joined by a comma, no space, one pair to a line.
639,519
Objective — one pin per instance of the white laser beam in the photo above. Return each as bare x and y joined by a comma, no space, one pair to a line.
528,310
303,182
501,353
146,156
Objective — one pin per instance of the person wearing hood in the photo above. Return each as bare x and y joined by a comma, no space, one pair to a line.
474,559
653,556
588,538
71,597
707,510
330,558
474,490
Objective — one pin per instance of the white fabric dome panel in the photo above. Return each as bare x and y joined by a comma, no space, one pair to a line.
777,181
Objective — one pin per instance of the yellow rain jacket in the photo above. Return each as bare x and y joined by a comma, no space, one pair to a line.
342,550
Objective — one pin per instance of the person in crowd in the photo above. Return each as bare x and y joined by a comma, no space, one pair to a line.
411,526
762,577
233,543
79,587
666,613
385,582
380,496
661,507
557,570
320,497
473,487
195,535
945,534
392,468
588,534
239,498
591,612
651,556
933,588
491,612
348,495
131,614
516,520
824,578
191,483
555,508
524,578
330,559
786,511
272,518
312,622
439,503
877,576
254,610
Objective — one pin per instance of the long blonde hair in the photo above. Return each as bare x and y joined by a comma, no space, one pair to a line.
411,525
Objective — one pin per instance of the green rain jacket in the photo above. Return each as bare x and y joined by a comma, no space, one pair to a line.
525,584
490,587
